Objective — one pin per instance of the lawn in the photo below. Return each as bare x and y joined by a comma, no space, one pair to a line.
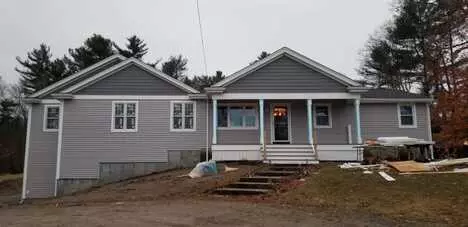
441,198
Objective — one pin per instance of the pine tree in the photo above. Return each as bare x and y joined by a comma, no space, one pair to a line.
135,47
94,49
175,67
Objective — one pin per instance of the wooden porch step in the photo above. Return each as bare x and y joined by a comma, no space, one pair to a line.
275,173
292,161
290,154
262,179
243,190
288,157
288,145
293,167
261,185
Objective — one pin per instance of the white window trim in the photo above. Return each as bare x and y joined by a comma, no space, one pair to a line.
228,105
171,121
330,116
44,120
415,121
125,110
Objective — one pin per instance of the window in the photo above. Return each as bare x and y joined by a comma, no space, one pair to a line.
322,115
407,115
124,116
182,116
51,118
237,116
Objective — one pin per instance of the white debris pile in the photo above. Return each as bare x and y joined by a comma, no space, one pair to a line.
204,169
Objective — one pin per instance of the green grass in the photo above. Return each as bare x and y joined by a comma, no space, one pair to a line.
8,177
432,198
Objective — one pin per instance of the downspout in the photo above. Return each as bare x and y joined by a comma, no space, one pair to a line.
207,127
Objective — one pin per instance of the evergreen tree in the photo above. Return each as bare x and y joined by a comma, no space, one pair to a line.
175,67
39,69
94,49
202,82
262,55
135,47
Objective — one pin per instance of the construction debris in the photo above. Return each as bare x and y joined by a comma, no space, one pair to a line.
409,166
351,165
204,169
229,169
386,176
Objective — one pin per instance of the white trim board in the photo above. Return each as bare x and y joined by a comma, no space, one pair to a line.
296,56
132,97
285,96
59,147
26,154
131,61
76,75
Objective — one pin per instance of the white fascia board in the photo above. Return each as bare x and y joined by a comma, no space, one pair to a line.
76,75
285,96
120,66
305,60
390,100
132,97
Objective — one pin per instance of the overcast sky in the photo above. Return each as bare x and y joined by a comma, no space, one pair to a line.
332,32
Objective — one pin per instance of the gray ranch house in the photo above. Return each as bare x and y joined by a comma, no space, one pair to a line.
121,118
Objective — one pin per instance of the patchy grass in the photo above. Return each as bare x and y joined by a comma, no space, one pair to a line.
7,177
439,198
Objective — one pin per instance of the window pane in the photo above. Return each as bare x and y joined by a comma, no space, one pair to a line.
131,107
119,109
406,120
177,123
52,123
118,122
222,116
250,121
188,109
406,110
188,123
131,123
321,110
52,112
177,109
235,116
322,121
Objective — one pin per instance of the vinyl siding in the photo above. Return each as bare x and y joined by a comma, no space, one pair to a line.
42,157
381,119
88,140
285,75
131,81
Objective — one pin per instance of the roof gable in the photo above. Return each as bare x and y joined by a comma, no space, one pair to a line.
296,57
124,65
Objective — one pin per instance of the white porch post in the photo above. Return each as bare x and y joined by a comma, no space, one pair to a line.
309,122
357,115
262,122
215,120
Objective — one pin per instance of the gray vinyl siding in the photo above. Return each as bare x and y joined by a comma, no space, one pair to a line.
85,76
42,158
285,75
381,119
88,140
132,81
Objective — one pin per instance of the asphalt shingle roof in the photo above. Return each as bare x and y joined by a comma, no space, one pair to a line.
384,93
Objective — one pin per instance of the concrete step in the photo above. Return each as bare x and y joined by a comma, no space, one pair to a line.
262,179
261,185
242,190
275,173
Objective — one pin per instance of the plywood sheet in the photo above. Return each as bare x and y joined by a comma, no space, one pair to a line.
408,166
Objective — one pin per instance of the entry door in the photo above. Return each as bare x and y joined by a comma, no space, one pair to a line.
280,123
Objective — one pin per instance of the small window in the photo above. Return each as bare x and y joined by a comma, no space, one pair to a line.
237,116
322,115
51,118
182,116
124,116
407,115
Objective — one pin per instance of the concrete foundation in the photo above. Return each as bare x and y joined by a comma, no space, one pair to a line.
184,159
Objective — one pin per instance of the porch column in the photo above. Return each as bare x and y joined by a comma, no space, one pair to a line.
309,122
262,121
357,115
215,120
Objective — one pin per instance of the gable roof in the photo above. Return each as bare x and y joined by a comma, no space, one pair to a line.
293,55
131,61
385,93
74,77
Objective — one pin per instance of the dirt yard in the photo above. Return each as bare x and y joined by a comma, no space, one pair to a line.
328,197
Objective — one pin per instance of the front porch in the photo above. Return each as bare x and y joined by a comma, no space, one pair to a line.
287,131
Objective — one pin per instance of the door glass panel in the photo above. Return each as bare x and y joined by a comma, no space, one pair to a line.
280,123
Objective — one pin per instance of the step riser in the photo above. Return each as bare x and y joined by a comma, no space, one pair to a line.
256,186
288,146
260,180
290,158
290,154
298,162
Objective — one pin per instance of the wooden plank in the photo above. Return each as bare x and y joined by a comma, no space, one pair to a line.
408,166
386,176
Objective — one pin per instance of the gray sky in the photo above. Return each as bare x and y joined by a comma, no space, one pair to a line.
331,32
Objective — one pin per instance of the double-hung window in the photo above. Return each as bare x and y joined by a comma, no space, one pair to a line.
124,116
237,116
183,116
407,115
51,118
322,113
